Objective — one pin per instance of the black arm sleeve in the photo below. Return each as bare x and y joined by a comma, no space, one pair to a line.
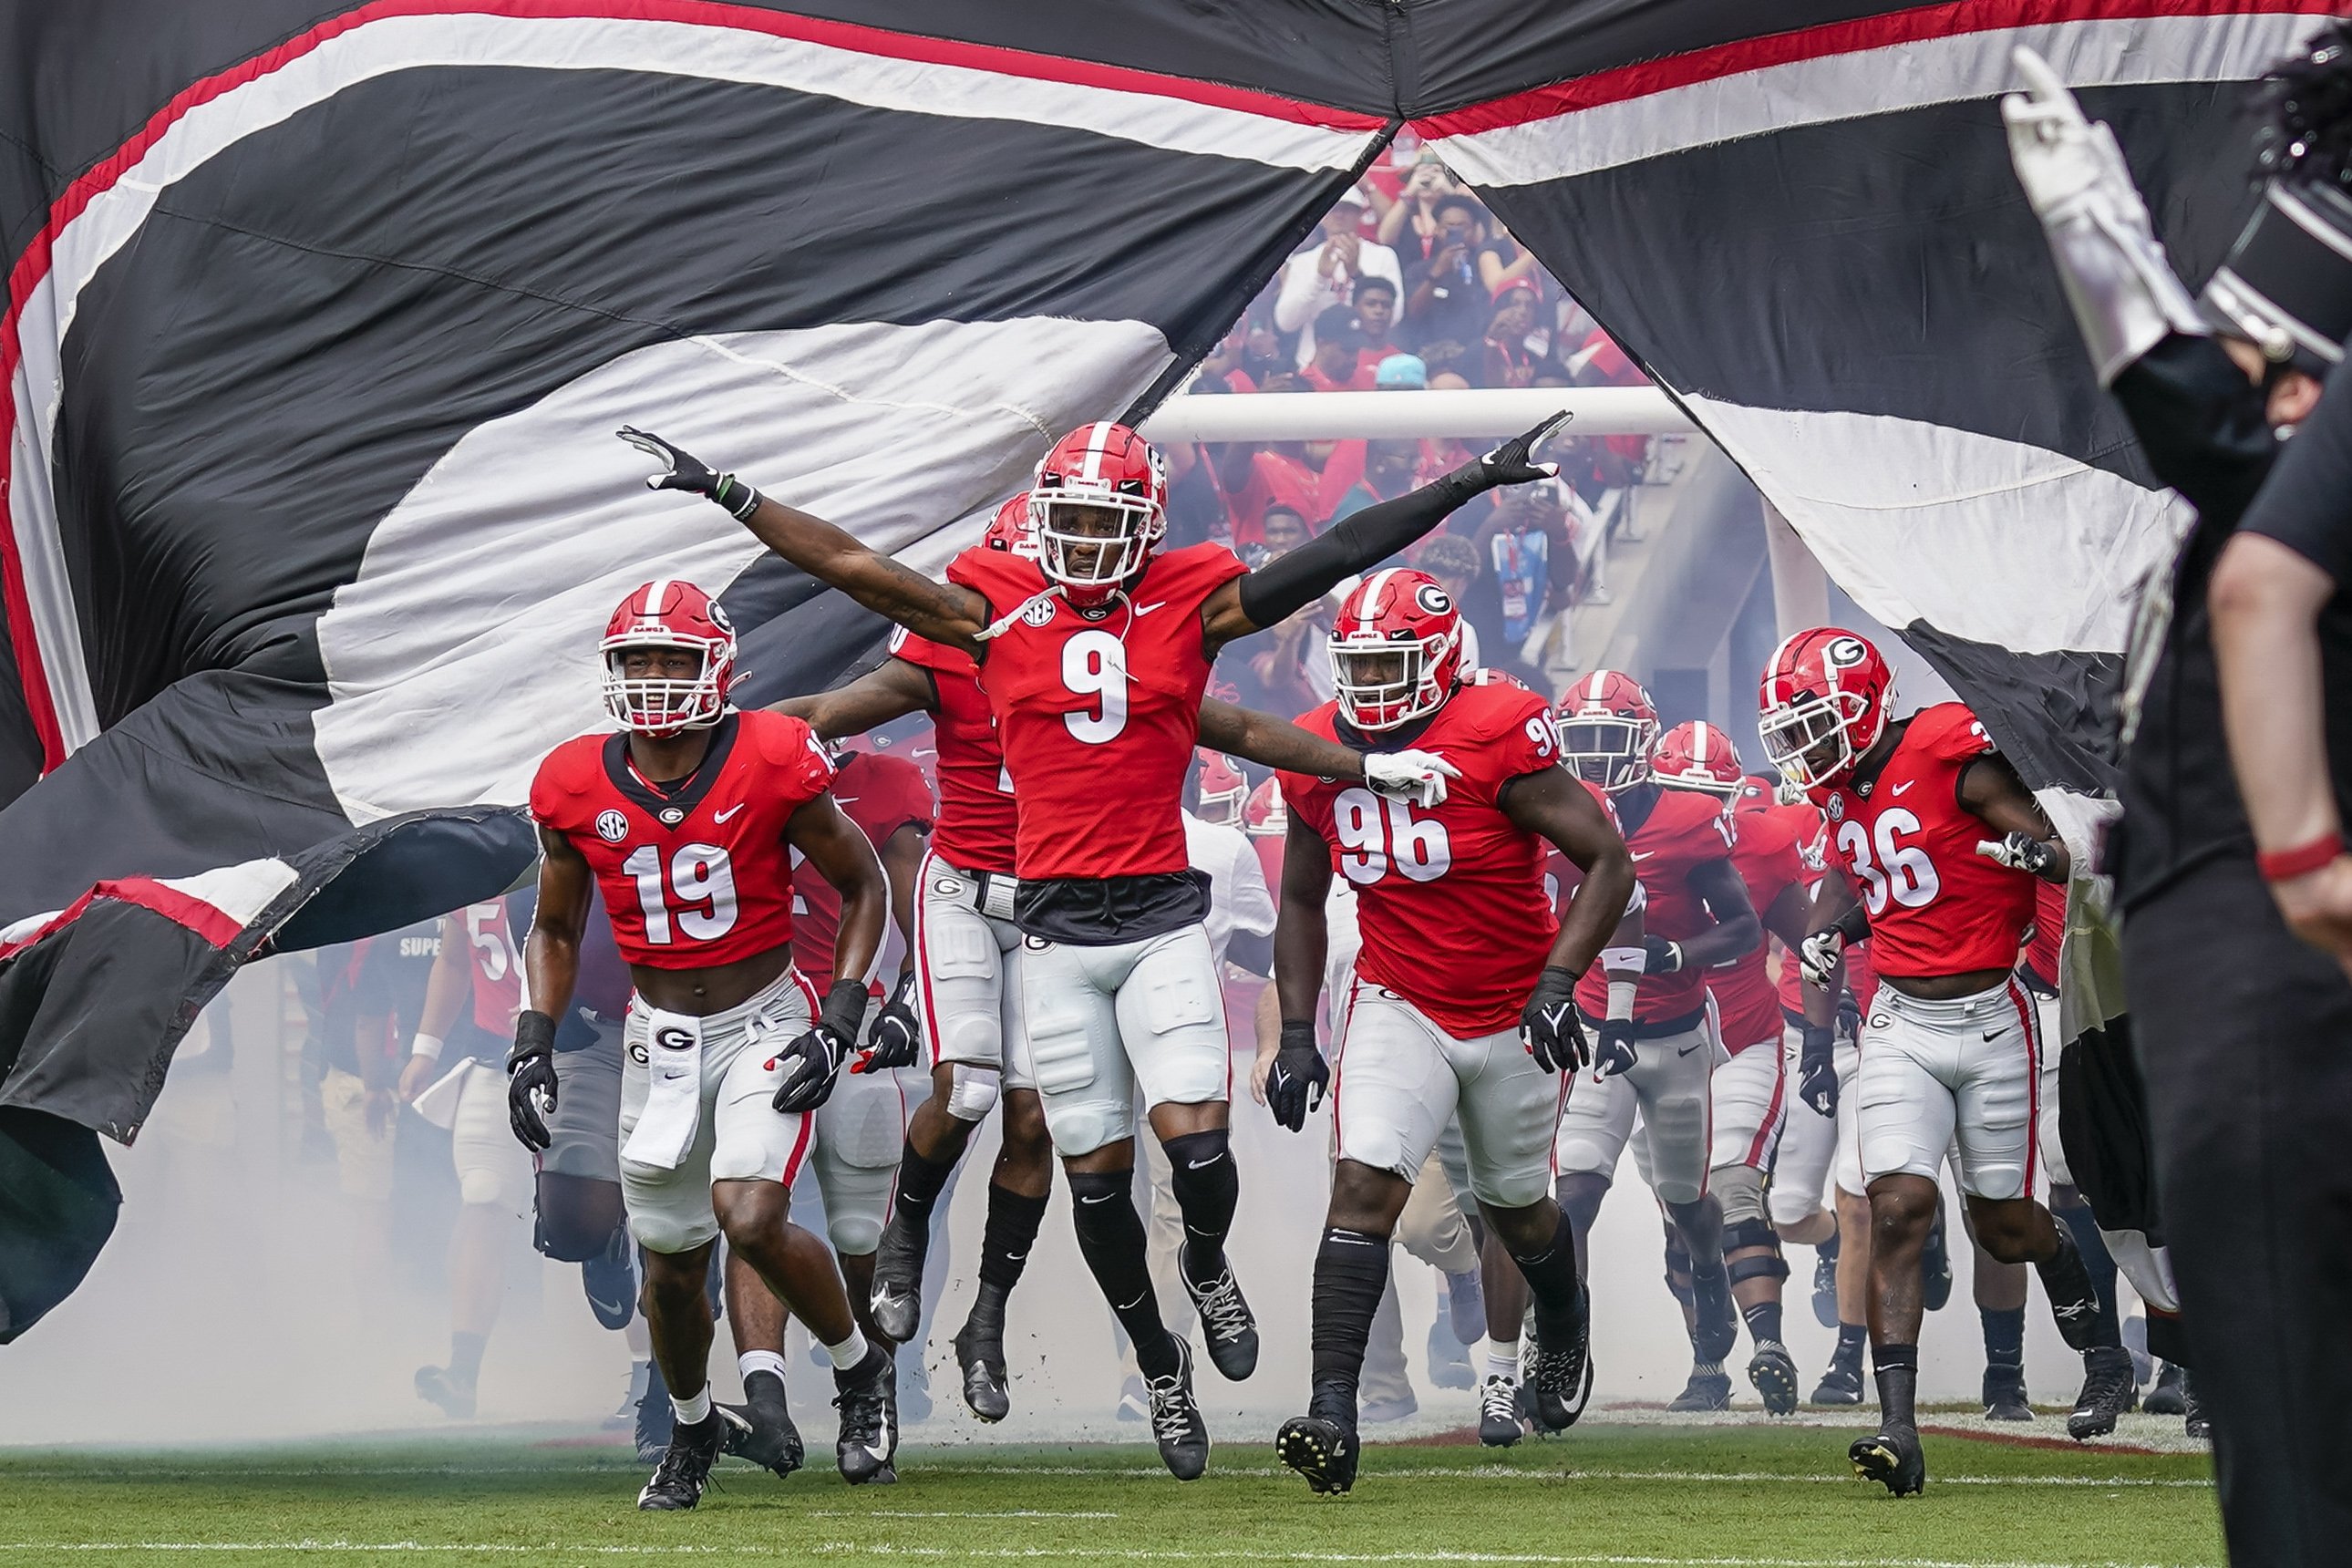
1289,584
2200,421
2307,504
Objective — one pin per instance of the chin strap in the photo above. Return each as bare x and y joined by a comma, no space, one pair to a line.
1004,622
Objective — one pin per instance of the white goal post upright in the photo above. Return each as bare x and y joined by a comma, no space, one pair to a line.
1407,415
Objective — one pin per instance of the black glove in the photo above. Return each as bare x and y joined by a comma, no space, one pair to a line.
1294,1084
1849,1016
688,472
891,1042
1509,463
1614,1053
1665,957
817,1057
530,1070
1548,1025
1817,1080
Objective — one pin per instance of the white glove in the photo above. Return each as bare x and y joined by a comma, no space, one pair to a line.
1417,776
2124,296
2019,852
1817,956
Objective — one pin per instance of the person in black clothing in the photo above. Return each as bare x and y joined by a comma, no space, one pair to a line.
2242,1030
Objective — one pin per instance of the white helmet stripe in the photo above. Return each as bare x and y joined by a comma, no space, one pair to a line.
656,592
1698,742
1097,438
1371,592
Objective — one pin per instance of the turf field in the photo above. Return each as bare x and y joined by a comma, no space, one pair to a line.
1741,1496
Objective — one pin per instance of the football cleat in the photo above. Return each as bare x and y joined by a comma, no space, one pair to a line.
1841,1385
655,1416
1465,1308
1774,1374
1225,1324
761,1429
2106,1392
1716,1334
1323,1451
896,1303
2004,1394
868,1403
1891,1456
1449,1363
1704,1390
434,1386
1560,1377
1498,1412
980,1356
1176,1419
2169,1397
640,1377
1377,1411
684,1468
2196,1425
1825,1289
609,1280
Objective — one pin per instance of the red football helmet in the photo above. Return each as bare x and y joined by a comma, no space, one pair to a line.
1098,502
668,613
1607,725
1697,755
1223,791
1396,649
1010,528
1824,702
1267,814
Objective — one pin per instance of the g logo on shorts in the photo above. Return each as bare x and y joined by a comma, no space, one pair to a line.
639,1055
612,827
673,1039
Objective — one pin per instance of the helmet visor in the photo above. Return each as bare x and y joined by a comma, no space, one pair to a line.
1092,541
651,694
1807,740
1380,684
1608,750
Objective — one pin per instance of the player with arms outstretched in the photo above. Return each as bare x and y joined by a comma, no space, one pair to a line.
1461,1000
686,820
1935,847
1095,655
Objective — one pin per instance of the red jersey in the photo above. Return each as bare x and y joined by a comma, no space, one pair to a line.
1937,907
1685,830
2049,935
1769,852
880,793
1450,898
1099,714
977,816
496,967
702,876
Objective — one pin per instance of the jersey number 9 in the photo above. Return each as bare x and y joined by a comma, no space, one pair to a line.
1094,664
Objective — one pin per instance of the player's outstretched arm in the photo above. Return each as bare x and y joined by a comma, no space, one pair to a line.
1552,805
1358,543
1990,788
891,691
1271,742
1295,1082
940,611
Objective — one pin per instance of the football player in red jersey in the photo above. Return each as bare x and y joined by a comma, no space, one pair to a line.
1461,1000
1935,846
1751,1091
1095,655
1660,1063
686,820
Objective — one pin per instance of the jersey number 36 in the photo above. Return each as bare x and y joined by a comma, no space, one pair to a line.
1902,872
1374,833
699,899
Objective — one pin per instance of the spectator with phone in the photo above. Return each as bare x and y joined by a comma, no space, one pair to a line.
1445,302
1315,280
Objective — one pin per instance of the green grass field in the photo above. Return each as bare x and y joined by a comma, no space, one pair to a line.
1745,1497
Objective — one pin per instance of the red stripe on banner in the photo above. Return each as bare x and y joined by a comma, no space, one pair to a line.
215,925
33,264
1906,26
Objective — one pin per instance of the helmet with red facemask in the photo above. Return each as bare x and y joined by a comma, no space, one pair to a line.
1607,726
1098,502
1010,528
668,613
1223,791
1824,702
1396,649
1697,755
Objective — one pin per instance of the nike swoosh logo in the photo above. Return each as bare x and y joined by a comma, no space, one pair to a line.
845,800
1907,783
1202,1165
1143,610
1102,1198
1686,1050
723,815
1644,854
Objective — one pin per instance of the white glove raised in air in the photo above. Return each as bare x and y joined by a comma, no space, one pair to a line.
2123,291
1416,776
1817,956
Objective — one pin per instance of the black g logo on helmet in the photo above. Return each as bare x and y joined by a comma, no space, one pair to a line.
1433,599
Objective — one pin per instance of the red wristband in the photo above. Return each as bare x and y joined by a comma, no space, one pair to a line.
2285,864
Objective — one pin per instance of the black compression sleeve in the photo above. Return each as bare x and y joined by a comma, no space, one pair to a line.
1289,584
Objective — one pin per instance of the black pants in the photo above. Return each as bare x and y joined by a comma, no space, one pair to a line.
2245,1037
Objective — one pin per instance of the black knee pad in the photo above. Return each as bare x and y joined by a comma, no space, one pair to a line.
565,1240
1754,1267
1750,1233
1206,1184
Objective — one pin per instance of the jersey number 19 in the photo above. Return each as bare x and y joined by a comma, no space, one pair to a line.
701,884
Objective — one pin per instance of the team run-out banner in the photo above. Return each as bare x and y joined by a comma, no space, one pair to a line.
319,317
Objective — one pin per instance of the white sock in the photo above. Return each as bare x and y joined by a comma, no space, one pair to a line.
689,1411
849,1352
1503,1361
750,1362
641,1376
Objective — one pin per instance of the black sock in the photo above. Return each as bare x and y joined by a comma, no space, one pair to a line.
1351,1269
2098,1263
1898,1367
1012,1221
1850,1339
1829,1249
466,1357
1207,1188
2074,1300
1763,1322
920,1180
2004,1337
1552,1276
1111,1238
